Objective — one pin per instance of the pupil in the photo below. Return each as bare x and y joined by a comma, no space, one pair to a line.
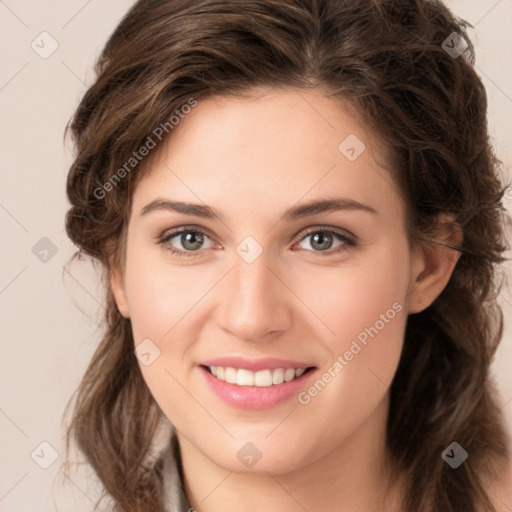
190,238
323,237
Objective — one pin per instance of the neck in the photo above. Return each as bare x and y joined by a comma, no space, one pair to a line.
353,476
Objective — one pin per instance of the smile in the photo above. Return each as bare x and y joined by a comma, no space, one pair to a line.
255,383
261,378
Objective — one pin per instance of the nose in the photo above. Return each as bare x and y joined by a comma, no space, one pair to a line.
255,304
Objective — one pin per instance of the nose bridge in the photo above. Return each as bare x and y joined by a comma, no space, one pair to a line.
253,301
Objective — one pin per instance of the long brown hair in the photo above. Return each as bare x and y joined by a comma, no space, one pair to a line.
390,59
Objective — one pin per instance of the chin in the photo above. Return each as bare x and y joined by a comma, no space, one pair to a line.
257,457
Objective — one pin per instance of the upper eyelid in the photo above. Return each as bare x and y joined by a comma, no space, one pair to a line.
337,231
171,233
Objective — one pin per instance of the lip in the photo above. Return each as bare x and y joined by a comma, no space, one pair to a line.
268,363
255,397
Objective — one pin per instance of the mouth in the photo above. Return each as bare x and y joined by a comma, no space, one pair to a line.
263,378
255,383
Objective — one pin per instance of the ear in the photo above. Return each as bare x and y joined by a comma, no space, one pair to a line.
118,289
433,264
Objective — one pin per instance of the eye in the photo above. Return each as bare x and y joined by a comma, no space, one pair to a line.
322,239
190,239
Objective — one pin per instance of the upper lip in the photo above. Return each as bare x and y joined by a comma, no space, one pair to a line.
267,363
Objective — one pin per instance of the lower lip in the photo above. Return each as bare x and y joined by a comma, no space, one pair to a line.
255,397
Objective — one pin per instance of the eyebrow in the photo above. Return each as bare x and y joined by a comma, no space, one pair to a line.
293,213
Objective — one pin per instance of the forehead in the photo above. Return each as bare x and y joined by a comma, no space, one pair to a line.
263,153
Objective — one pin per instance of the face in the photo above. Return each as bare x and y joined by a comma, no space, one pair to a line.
266,314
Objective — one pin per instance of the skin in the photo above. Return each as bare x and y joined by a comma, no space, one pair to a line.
251,159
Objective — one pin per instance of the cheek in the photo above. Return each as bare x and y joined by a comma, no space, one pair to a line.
165,300
159,295
363,313
353,297
160,302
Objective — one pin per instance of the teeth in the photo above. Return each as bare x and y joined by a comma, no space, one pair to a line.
245,378
262,378
230,375
278,376
289,374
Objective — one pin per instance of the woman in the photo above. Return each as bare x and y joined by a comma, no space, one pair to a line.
298,213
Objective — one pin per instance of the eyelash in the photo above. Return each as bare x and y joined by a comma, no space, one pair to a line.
348,241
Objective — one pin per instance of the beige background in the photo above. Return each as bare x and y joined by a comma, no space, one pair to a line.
46,340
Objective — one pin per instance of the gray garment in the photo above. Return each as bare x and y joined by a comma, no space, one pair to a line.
176,500
164,447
